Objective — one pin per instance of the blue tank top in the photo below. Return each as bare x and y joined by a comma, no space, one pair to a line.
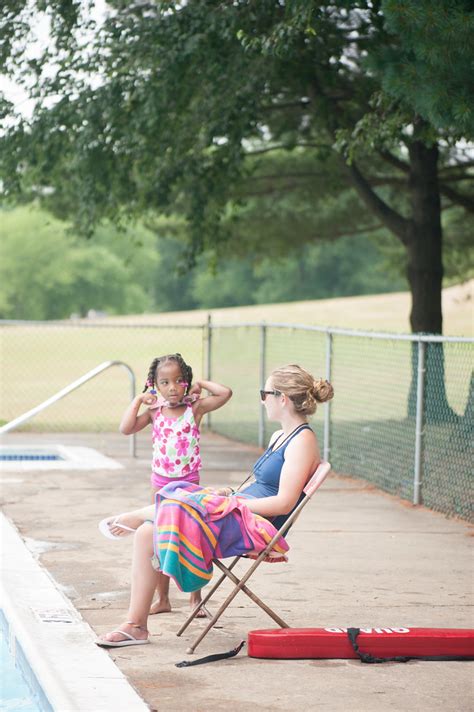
267,471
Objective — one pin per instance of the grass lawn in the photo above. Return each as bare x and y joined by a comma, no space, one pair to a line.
375,312
39,360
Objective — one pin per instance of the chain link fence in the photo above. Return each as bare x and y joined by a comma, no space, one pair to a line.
39,359
402,416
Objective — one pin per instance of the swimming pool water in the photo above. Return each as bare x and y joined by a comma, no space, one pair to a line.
9,454
14,691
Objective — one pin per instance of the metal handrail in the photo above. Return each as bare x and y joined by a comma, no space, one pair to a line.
72,387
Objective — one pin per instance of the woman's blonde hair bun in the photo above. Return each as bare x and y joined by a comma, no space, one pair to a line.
323,390
300,386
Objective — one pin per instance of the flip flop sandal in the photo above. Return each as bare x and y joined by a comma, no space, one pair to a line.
209,615
206,613
105,524
130,640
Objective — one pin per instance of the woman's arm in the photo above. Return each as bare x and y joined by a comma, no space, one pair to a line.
218,396
301,459
132,422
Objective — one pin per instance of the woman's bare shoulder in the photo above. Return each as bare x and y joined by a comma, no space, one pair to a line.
306,439
274,436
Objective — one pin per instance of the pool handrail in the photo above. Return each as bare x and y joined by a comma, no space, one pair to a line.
72,387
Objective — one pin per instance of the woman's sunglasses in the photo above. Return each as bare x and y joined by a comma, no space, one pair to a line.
264,394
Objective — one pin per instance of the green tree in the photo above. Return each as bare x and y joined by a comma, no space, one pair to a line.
172,286
48,273
172,105
231,283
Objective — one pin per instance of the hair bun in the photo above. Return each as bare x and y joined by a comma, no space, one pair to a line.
323,390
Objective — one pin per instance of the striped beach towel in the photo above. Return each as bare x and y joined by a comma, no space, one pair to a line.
193,525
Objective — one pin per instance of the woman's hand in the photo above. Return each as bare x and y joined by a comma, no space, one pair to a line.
224,491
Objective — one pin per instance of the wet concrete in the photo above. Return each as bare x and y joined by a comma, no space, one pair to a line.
358,558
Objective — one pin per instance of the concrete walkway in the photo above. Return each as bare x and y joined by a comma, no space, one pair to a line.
358,558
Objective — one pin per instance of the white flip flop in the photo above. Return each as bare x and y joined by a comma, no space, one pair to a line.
130,640
104,528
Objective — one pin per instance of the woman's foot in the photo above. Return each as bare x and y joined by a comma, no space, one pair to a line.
121,525
195,600
128,633
162,605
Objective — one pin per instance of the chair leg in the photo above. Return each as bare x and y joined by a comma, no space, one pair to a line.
253,596
214,588
239,587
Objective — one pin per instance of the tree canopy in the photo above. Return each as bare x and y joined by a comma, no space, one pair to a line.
47,272
304,120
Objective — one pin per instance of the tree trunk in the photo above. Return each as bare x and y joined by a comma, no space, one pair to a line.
424,240
421,234
425,277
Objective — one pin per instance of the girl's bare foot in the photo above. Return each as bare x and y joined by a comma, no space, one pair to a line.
162,605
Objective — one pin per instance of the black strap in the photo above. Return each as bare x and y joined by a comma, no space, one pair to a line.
301,426
212,658
295,431
352,634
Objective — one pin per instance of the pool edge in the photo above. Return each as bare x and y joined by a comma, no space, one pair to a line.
73,673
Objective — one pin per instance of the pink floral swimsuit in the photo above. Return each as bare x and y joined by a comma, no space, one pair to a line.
176,453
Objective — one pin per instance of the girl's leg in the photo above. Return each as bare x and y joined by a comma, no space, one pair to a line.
144,580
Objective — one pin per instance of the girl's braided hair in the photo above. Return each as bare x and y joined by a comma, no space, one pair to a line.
186,371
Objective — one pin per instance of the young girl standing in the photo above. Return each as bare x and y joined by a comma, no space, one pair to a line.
175,413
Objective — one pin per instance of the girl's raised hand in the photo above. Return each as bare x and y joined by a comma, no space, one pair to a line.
195,390
149,398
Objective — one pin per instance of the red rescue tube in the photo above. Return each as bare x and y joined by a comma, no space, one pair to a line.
310,643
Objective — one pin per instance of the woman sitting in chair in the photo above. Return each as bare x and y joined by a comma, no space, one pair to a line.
191,525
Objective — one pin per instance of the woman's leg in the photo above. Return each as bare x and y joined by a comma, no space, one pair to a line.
132,519
194,599
163,603
144,580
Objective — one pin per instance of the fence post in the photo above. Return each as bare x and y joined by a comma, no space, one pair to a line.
208,358
133,437
263,358
419,427
327,406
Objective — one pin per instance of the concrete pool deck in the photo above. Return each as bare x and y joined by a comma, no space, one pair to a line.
358,558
